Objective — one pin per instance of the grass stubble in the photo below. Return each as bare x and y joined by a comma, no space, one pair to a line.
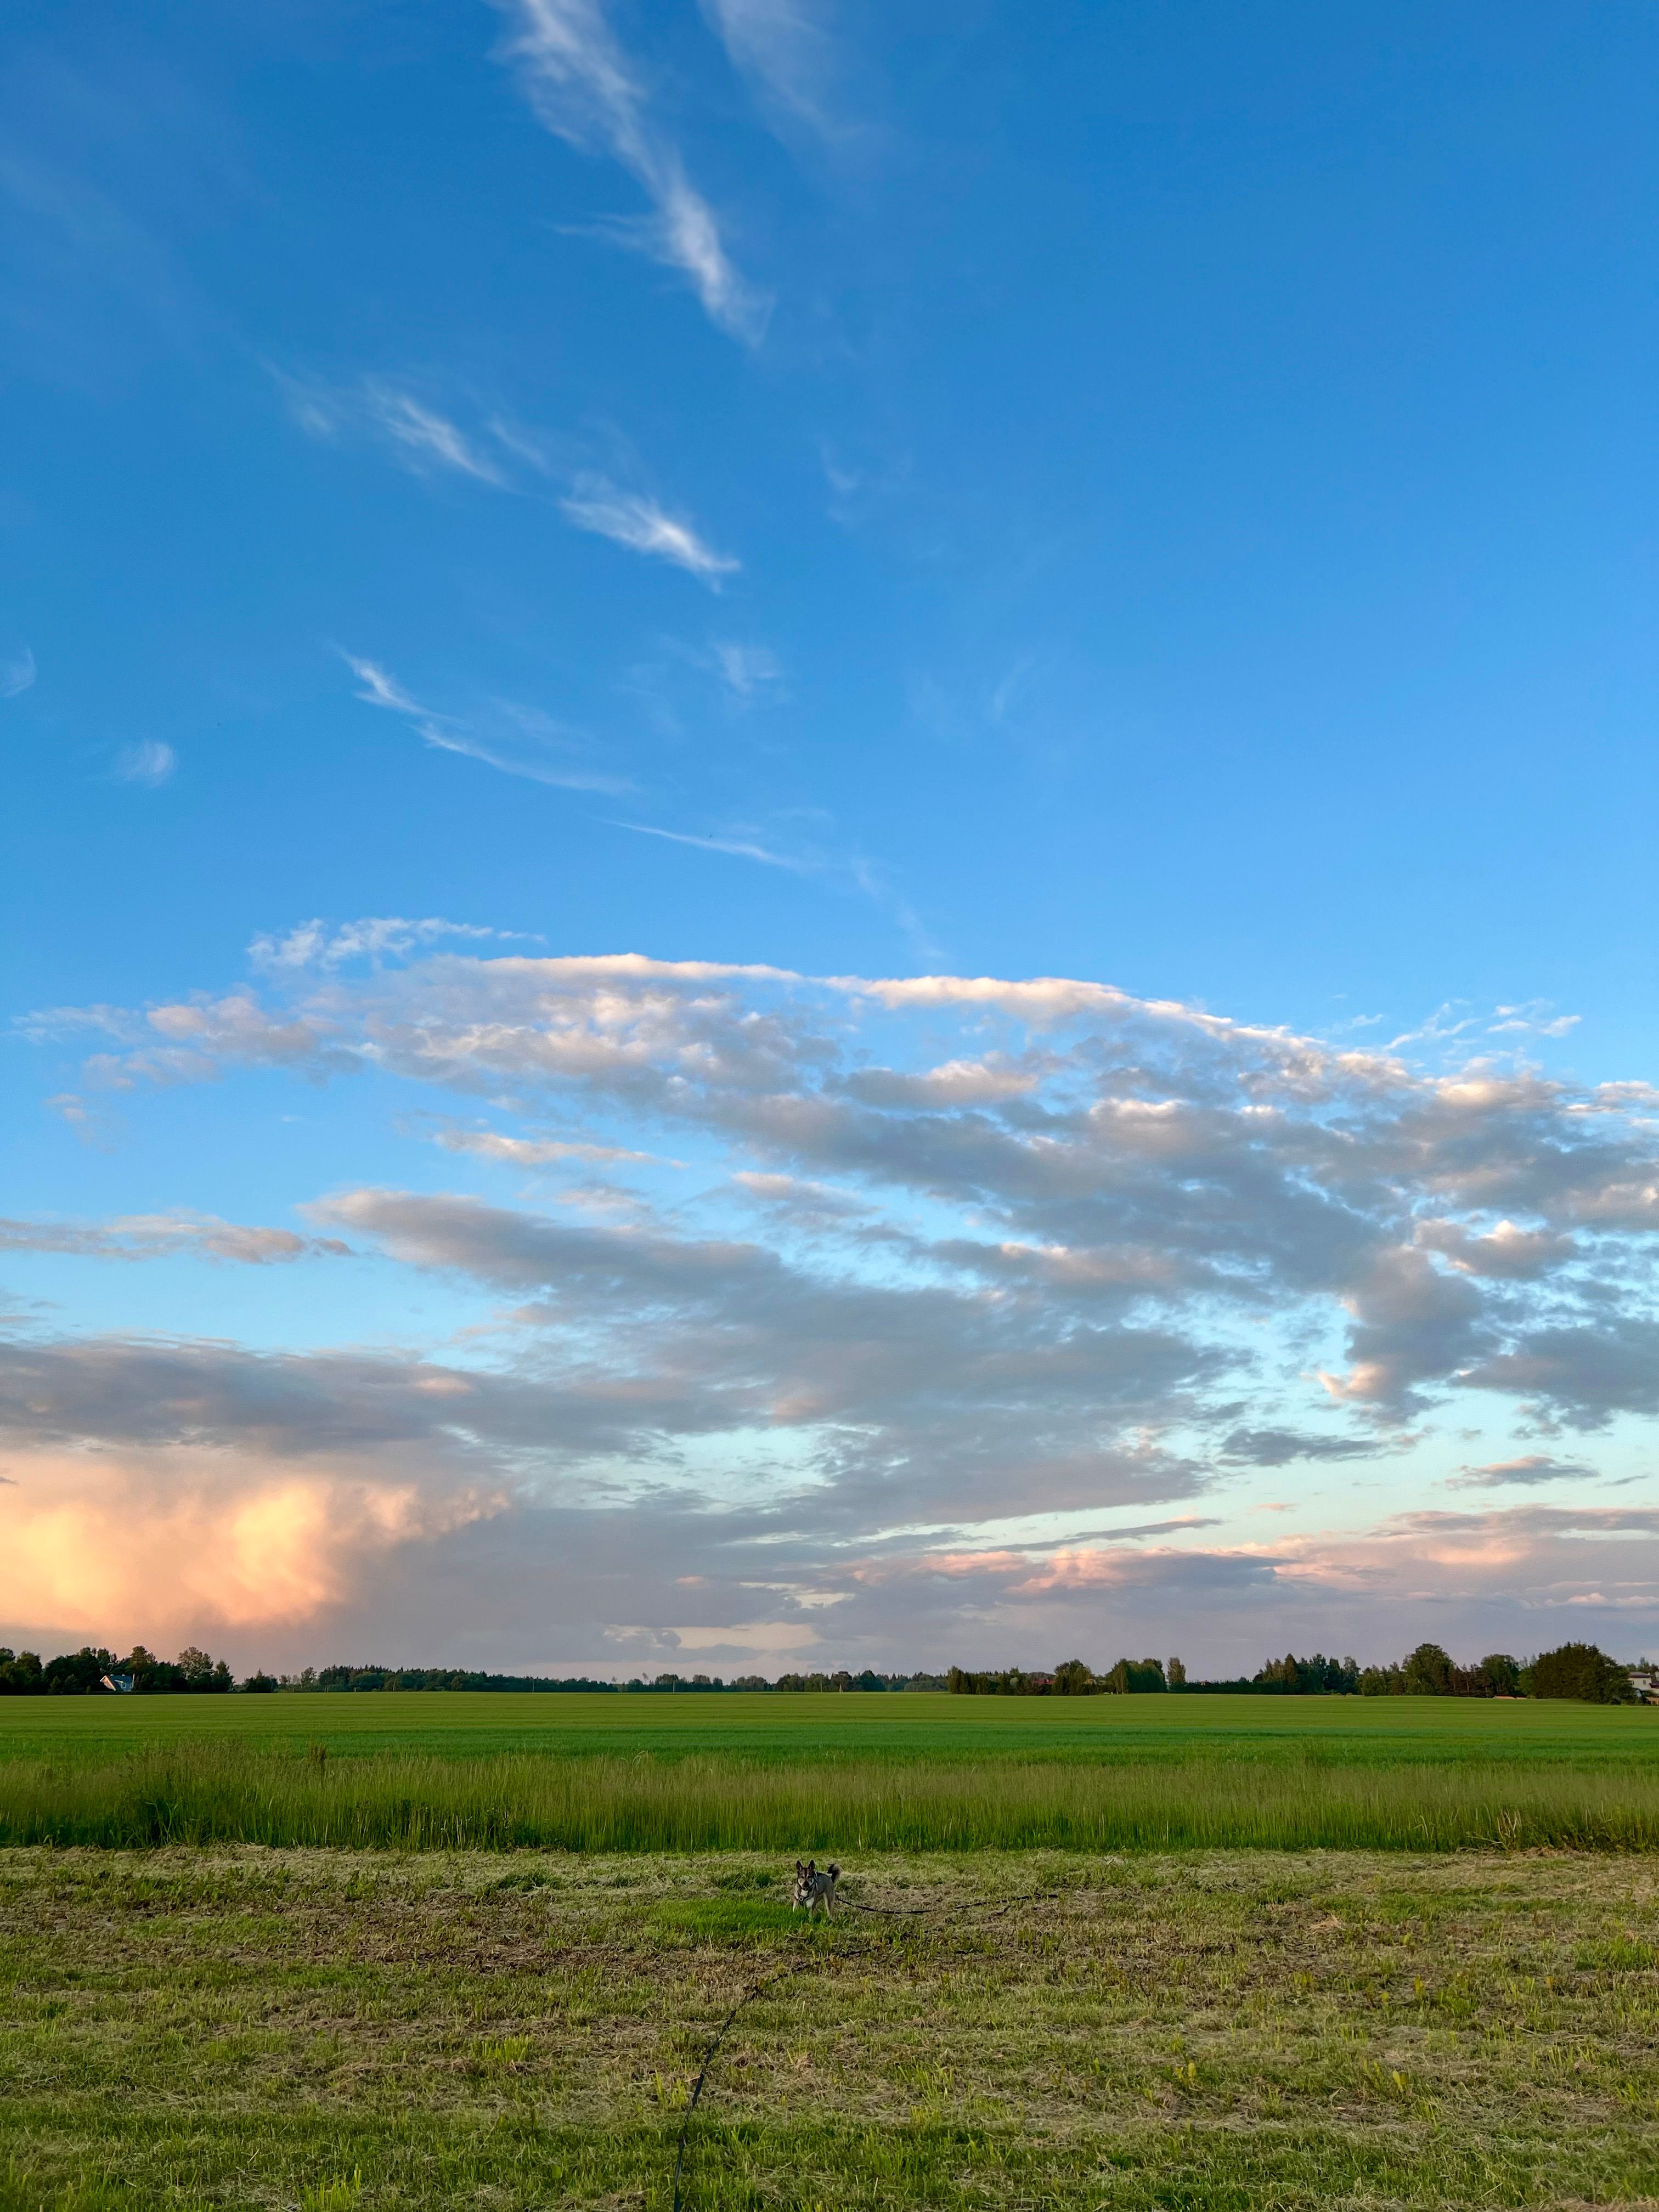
329,2029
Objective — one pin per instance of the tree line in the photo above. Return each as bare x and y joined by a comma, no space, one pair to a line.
90,1669
1580,1671
94,1671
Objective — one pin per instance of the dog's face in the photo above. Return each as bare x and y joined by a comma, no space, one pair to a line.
805,1880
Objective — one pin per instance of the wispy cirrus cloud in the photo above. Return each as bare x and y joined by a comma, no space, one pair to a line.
409,426
630,518
749,674
17,672
502,455
583,89
734,848
429,437
518,740
149,762
841,870
788,53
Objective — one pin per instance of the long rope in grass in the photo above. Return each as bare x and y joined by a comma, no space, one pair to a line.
797,1966
778,1974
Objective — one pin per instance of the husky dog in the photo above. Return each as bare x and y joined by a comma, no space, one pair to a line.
813,1888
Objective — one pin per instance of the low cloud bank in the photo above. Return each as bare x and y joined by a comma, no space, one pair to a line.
862,1317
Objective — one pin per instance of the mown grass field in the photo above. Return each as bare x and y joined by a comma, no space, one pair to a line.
327,2030
852,1773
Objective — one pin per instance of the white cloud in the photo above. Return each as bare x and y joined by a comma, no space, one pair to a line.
166,1236
736,849
518,740
583,89
326,944
180,1540
16,673
1531,1467
413,428
529,1152
1505,1250
149,762
784,49
427,437
748,672
960,1250
424,439
639,523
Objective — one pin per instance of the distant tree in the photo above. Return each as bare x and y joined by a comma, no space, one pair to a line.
152,1677
1502,1671
78,1673
1427,1673
1074,1678
1583,1671
1134,1677
20,1673
1174,1675
260,1683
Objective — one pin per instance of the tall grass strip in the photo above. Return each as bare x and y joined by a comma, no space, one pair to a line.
207,1794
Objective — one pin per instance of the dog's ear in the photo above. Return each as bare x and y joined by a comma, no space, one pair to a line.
800,1868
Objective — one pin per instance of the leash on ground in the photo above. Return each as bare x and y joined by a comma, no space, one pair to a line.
786,1973
766,1982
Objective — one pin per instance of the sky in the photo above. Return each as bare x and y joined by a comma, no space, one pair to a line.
828,832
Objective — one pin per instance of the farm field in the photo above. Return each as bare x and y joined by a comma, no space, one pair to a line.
325,2030
901,1724
883,1772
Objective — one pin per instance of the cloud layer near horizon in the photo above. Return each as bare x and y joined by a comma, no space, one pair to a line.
913,1316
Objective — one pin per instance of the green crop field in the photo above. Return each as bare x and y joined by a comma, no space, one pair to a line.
902,1724
829,1772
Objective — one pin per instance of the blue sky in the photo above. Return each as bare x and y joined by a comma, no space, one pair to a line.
1162,499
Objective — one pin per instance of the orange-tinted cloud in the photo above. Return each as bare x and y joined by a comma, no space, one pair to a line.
159,1544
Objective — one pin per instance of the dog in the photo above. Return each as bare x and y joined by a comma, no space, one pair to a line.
813,1888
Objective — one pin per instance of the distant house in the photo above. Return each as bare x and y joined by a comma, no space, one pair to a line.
121,1682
